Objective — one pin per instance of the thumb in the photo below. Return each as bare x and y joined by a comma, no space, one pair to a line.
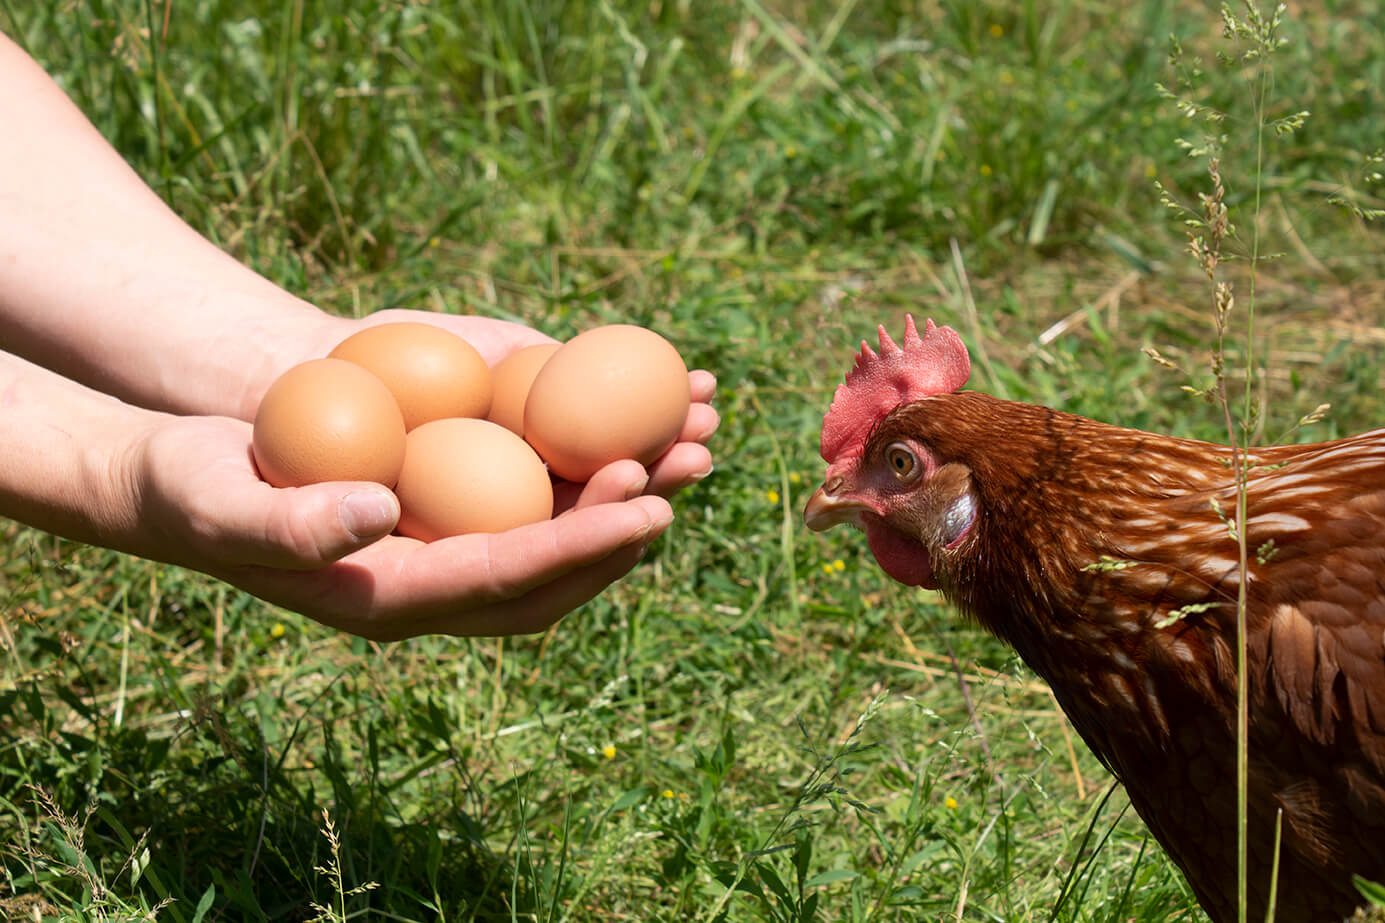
309,527
368,513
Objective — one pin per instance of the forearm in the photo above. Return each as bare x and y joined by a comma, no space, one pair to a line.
64,453
102,283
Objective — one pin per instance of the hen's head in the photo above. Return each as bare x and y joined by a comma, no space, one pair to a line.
899,494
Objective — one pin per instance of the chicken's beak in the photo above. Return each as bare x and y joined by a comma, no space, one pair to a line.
827,507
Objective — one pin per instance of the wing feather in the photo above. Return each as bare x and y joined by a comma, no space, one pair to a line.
1326,623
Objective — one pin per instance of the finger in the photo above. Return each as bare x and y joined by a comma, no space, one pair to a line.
684,464
687,462
302,527
701,424
703,385
538,609
614,483
397,586
523,559
626,479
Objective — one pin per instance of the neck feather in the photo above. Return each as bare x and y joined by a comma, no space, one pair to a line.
1082,553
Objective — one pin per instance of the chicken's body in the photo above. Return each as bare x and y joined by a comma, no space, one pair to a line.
1105,557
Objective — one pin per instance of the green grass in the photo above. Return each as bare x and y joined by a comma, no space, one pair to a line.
757,724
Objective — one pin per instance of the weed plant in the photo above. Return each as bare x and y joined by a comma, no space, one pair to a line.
757,724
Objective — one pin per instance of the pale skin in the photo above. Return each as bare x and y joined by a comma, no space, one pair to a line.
135,353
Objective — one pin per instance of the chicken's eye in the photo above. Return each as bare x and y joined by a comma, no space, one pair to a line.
900,459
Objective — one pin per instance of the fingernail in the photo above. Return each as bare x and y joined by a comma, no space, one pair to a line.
697,476
634,490
367,513
650,531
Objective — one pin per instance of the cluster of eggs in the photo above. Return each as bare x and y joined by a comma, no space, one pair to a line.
465,447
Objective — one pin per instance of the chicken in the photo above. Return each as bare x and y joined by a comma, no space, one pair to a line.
1106,557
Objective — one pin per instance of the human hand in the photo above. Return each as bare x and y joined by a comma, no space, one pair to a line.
325,550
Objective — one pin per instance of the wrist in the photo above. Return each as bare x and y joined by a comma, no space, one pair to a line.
64,453
266,339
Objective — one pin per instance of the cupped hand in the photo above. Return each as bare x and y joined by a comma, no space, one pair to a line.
326,551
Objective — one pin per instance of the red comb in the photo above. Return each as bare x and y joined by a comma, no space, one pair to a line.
935,363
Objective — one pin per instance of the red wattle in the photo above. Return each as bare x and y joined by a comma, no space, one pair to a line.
903,558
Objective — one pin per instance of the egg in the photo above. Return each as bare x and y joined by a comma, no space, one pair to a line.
511,379
612,392
466,475
432,373
328,420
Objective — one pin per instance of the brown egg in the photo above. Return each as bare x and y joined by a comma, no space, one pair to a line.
328,420
512,378
608,393
433,373
464,475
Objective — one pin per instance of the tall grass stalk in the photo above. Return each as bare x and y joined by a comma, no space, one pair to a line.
1263,37
1259,38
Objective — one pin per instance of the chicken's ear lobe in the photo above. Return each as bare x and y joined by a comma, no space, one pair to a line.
935,363
957,505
